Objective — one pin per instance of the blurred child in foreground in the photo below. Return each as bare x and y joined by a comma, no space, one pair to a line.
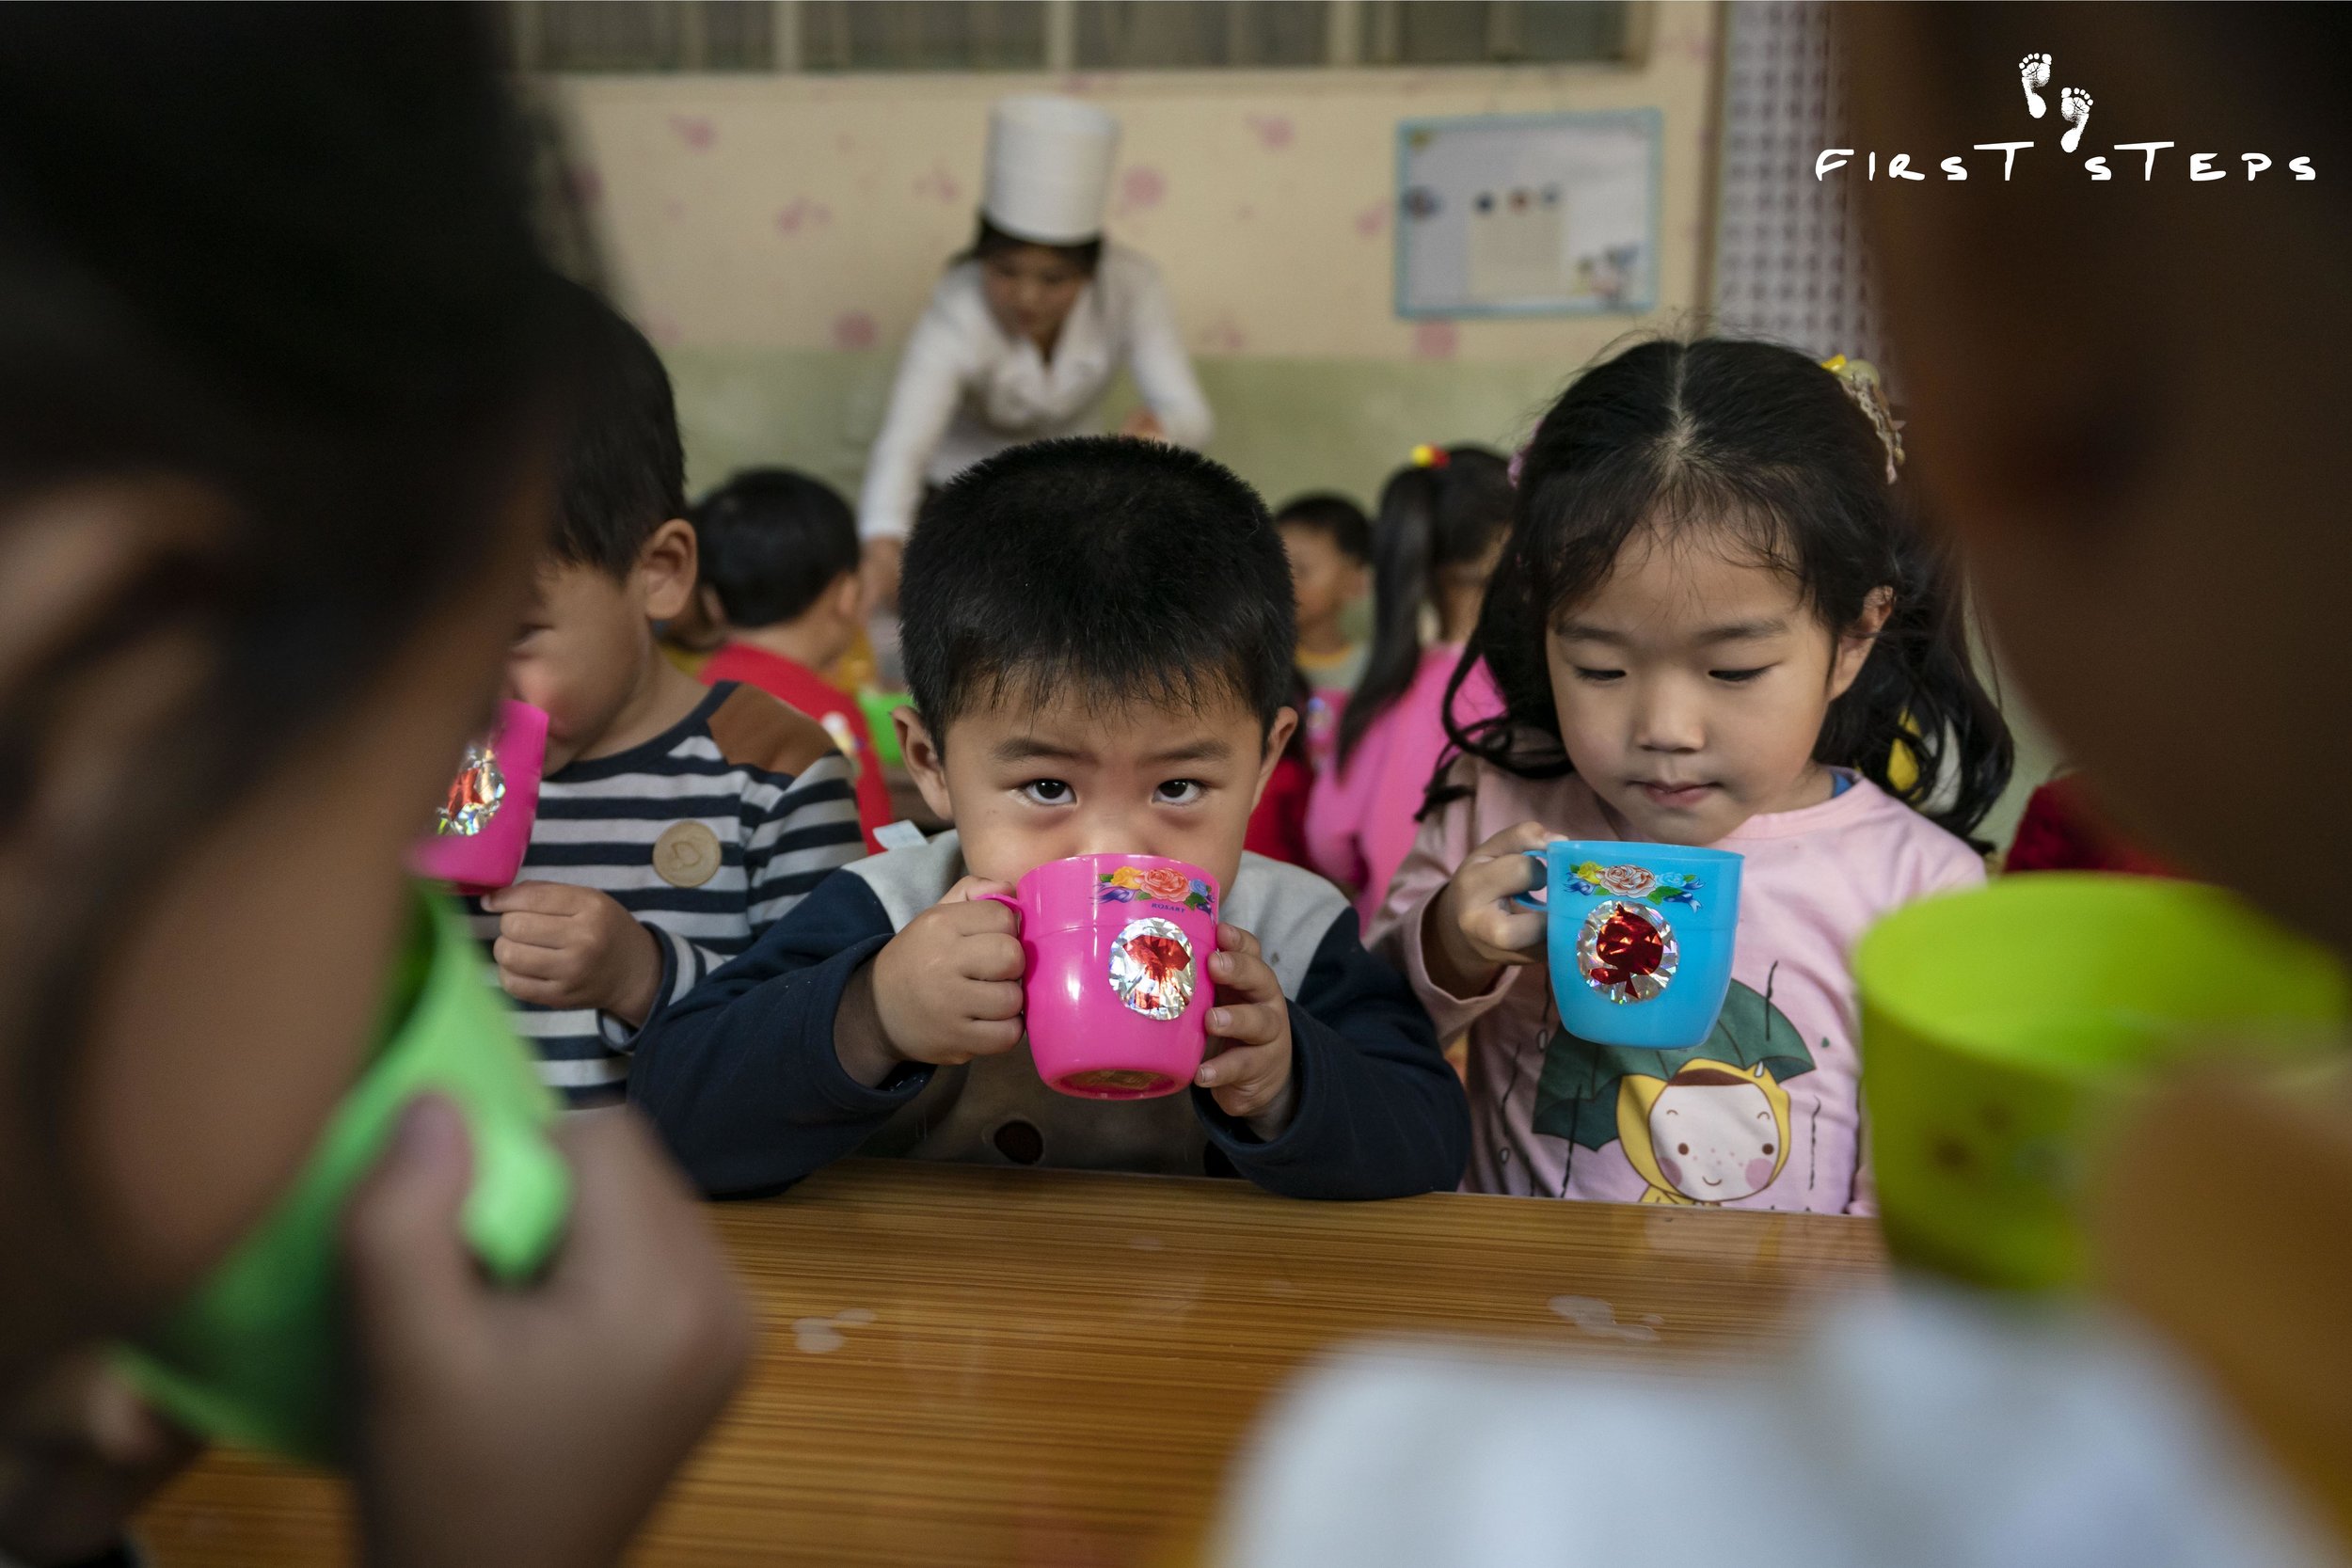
276,401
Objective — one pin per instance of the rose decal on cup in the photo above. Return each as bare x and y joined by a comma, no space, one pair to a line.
1161,884
1631,881
1164,882
1594,881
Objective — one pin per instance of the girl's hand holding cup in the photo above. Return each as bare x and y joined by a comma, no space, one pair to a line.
1475,926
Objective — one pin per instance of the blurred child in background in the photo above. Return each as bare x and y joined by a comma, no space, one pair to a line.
1328,541
675,823
1278,828
779,556
1440,527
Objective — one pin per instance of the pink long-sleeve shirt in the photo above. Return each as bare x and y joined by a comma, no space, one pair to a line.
1769,1108
1360,817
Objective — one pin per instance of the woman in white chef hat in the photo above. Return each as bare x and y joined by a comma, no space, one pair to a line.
1028,326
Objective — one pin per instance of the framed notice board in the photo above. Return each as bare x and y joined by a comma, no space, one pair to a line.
1528,215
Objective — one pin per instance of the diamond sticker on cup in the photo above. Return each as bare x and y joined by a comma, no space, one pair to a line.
474,794
1627,951
1152,969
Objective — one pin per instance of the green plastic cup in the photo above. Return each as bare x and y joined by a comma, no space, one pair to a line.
2005,1030
256,1357
879,706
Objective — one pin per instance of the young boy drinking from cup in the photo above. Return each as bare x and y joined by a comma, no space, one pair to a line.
1098,638
676,823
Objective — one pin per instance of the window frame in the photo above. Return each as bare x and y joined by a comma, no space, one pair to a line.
1347,28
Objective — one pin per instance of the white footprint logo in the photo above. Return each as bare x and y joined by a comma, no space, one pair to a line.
2034,71
2073,108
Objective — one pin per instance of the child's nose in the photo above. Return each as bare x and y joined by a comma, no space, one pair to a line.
1110,832
1670,720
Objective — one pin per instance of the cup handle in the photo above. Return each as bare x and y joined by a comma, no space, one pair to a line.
1528,901
1005,898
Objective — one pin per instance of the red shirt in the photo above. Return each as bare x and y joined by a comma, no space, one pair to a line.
796,685
1277,828
2063,830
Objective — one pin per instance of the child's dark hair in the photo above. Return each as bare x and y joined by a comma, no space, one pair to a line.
620,468
1758,440
1436,519
772,542
1120,570
1333,515
989,240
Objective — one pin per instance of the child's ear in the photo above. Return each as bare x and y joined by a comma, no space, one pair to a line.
1853,648
1277,739
848,597
924,762
665,571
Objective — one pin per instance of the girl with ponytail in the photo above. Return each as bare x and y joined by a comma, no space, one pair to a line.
1442,520
1715,621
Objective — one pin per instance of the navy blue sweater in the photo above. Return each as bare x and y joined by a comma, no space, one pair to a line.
741,1077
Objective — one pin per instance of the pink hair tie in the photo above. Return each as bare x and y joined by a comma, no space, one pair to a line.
1518,466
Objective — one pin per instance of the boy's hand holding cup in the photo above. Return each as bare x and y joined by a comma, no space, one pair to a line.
1249,1070
559,945
945,989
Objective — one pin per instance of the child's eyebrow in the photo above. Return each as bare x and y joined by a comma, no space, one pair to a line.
1207,749
1736,631
1745,630
1026,748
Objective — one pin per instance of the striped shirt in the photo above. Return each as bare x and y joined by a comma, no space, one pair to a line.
742,775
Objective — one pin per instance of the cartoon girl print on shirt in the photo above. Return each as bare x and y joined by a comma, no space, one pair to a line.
1710,1133
1707,1125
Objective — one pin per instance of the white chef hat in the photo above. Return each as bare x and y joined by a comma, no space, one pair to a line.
1049,168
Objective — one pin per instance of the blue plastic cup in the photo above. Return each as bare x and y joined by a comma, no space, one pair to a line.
1640,938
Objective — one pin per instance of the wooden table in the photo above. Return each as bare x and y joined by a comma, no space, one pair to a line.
1057,1365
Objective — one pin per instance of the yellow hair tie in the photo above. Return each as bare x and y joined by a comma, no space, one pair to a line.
1860,378
1427,456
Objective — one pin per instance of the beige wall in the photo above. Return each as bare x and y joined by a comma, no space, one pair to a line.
777,235
807,211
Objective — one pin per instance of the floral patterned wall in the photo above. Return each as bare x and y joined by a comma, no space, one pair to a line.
813,212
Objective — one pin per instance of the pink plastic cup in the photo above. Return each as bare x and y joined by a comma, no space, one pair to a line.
1116,972
478,838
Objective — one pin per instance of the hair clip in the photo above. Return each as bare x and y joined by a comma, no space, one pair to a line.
1860,379
1518,466
1427,456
